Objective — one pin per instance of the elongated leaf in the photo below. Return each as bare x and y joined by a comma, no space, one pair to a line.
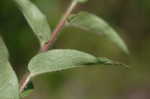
36,19
57,60
8,80
94,23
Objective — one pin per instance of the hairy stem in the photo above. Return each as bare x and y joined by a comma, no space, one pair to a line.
59,27
26,78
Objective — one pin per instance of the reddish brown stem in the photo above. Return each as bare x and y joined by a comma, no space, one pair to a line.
59,27
26,78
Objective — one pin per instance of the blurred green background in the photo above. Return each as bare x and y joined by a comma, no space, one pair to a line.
131,18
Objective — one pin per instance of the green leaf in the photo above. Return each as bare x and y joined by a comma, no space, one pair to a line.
8,80
81,1
26,93
61,59
106,61
85,20
36,19
56,60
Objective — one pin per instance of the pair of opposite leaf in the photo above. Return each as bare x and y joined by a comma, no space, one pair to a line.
54,60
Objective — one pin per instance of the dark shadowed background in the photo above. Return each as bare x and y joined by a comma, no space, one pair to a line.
131,18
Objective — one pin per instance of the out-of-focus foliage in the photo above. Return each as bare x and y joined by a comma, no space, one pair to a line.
129,17
81,0
26,93
8,79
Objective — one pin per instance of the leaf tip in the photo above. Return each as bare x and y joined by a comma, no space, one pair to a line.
106,61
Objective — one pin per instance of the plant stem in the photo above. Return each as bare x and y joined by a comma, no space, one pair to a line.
59,27
26,78
24,81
